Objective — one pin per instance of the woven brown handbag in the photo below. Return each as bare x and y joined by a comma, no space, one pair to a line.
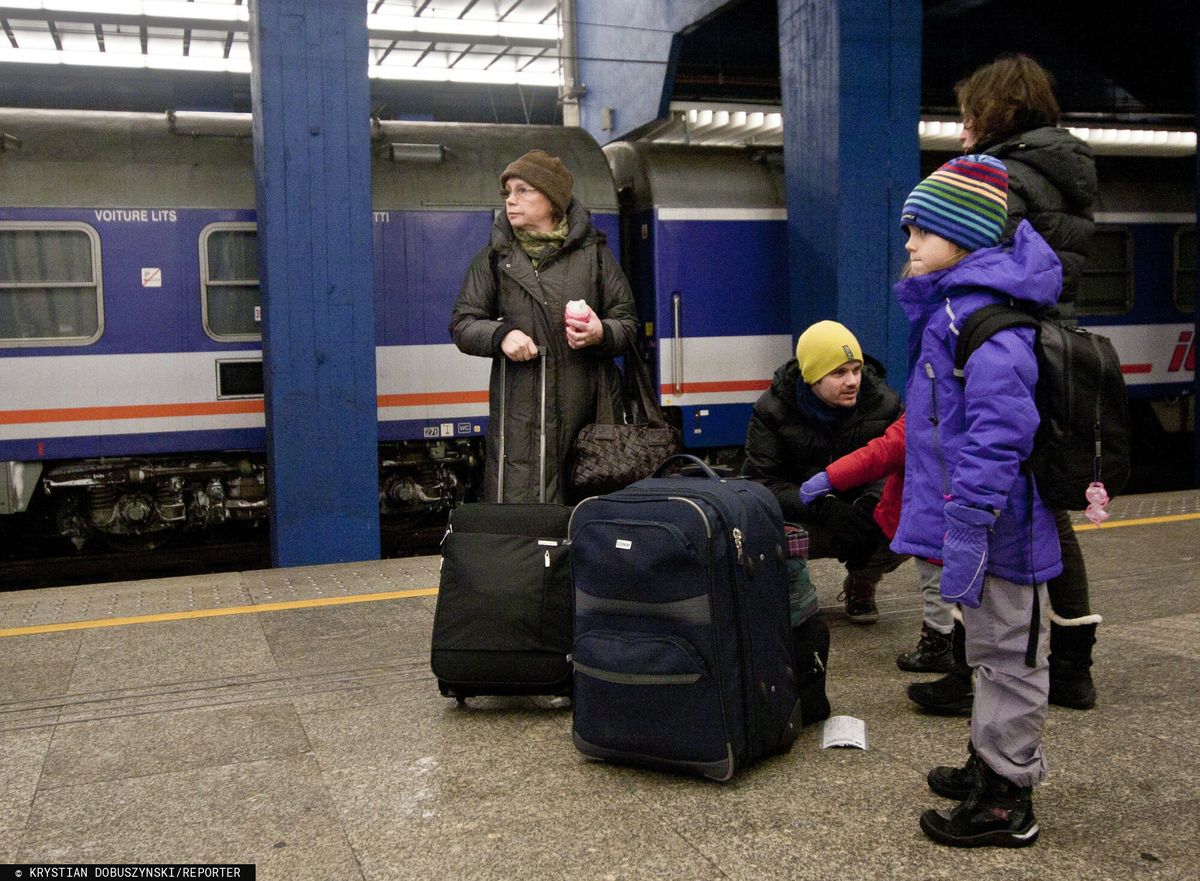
611,454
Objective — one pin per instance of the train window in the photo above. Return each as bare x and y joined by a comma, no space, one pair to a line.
239,379
1106,286
50,284
1185,269
229,282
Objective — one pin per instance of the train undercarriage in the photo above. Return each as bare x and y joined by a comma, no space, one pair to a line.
138,503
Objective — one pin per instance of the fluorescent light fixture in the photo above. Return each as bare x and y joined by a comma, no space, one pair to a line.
463,75
461,27
429,153
197,63
218,13
217,64
203,122
945,133
127,60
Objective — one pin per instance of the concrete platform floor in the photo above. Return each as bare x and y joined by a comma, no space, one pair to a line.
311,741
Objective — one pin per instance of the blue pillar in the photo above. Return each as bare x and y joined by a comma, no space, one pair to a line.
851,81
312,171
627,51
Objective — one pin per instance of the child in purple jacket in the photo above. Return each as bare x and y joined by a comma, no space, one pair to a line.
967,501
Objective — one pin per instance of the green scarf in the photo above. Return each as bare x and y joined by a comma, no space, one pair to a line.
537,245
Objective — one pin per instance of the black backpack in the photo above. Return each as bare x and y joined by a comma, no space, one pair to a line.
1080,397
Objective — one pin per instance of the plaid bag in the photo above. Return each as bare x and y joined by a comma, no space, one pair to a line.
802,594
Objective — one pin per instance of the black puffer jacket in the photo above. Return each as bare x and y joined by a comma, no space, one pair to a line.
1052,184
502,292
784,449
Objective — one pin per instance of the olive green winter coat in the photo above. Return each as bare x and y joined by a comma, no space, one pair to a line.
502,292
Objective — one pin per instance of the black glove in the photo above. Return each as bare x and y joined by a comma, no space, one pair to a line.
855,536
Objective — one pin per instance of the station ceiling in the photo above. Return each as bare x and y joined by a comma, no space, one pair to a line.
488,61
1132,62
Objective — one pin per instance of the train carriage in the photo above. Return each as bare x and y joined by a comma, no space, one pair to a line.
704,236
130,345
131,389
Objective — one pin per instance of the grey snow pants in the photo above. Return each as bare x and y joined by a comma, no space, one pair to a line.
1011,699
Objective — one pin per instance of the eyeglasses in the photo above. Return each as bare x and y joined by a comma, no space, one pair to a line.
519,192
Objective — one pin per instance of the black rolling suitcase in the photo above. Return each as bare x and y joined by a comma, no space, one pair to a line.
682,652
503,619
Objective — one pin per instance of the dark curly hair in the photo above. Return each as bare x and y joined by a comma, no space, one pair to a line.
1012,94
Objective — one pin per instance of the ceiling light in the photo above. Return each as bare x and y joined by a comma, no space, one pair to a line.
461,27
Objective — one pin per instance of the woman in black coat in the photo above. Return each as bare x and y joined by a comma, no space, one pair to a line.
543,252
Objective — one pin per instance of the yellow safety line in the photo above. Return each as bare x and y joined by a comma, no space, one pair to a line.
390,595
213,613
1140,521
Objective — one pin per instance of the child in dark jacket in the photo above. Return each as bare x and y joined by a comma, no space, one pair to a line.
883,458
966,500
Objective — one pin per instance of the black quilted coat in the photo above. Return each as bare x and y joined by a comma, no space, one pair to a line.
1052,184
502,291
783,449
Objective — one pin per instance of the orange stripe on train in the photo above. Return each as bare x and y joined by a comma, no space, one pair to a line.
739,385
211,408
129,411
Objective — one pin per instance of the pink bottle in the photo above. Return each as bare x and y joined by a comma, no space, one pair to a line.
578,310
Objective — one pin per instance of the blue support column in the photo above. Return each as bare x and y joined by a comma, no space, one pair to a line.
851,81
312,170
627,50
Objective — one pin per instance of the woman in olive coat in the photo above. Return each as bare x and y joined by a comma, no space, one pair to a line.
543,253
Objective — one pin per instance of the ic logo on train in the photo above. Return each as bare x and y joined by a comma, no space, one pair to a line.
1184,356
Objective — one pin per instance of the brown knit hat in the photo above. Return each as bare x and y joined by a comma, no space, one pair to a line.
545,172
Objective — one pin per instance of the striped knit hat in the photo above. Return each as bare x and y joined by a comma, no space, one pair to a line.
965,202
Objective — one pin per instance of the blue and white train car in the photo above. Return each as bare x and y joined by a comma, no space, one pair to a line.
130,350
703,230
705,245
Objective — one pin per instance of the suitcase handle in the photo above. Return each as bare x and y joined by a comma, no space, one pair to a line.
687,457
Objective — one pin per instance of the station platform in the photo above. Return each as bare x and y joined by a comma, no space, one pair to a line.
289,719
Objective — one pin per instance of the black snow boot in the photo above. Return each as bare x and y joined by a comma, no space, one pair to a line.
952,782
953,694
932,655
1070,666
996,813
811,642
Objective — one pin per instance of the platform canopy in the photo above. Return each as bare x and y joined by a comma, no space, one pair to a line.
497,42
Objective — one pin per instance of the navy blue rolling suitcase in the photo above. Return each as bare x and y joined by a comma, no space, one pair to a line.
683,650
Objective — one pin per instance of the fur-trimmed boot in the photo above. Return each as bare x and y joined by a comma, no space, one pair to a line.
810,640
1071,642
996,813
953,694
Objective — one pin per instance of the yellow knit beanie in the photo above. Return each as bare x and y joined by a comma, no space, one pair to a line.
825,347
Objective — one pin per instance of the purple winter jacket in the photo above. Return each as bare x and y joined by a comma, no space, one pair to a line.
966,440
